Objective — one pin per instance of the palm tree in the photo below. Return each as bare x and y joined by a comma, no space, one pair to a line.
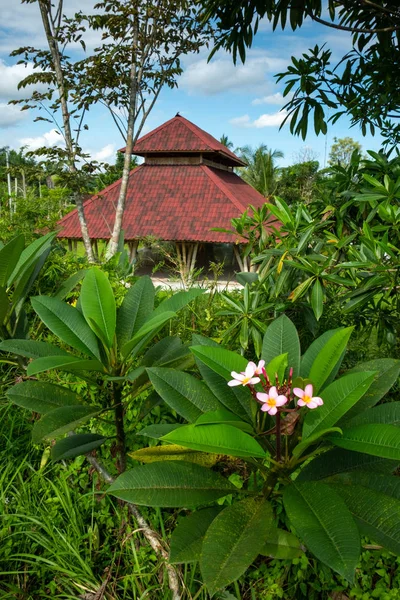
261,172
225,141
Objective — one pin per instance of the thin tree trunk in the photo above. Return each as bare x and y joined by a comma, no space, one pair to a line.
119,213
45,8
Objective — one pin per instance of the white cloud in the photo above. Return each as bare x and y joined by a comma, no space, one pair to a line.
221,75
10,76
10,115
104,154
277,99
48,139
265,120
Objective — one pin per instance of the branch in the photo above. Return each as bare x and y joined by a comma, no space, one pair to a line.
148,532
352,29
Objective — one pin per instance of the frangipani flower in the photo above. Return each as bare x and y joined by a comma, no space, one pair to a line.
271,401
246,378
306,397
258,369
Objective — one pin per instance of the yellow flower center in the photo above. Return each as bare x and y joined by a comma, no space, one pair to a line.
271,402
246,380
306,399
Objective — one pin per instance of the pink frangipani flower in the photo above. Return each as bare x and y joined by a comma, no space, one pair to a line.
258,369
306,397
271,401
246,378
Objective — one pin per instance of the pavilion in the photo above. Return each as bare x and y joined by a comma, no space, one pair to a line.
185,187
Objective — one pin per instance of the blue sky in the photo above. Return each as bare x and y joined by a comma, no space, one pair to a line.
242,102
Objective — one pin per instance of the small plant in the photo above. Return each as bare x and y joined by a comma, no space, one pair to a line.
296,457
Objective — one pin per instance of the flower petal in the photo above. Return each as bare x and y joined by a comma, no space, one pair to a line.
309,390
254,380
318,400
312,404
301,402
281,400
296,391
273,410
262,397
265,408
250,369
234,382
238,376
273,392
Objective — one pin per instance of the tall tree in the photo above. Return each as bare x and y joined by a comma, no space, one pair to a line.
364,84
142,45
342,150
262,170
225,141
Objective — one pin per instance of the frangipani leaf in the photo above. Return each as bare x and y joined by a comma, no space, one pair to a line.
40,396
62,420
187,537
98,304
170,484
173,452
76,445
281,338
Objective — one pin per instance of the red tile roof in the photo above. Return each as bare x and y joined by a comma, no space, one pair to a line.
180,135
169,202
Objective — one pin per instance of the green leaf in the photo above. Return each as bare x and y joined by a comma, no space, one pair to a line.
388,371
135,309
312,439
338,460
158,431
338,398
376,514
233,541
218,439
313,351
223,362
228,396
29,256
281,337
67,323
182,392
31,349
69,284
9,256
178,301
277,366
170,484
376,439
61,420
223,416
328,357
281,544
151,326
40,396
173,452
168,352
63,363
98,304
386,484
323,522
187,538
388,414
75,445
317,299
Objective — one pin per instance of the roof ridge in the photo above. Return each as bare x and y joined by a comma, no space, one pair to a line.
197,131
223,187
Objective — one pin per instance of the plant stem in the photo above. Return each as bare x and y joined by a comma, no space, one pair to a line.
119,424
278,436
147,531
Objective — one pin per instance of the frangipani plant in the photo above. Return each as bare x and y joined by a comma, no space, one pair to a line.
298,436
109,349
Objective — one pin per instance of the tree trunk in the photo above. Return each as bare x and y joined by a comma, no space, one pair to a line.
45,8
119,213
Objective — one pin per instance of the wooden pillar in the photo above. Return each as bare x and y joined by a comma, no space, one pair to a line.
70,245
75,245
133,247
186,258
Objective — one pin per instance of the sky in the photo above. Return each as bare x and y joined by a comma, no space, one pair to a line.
243,101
